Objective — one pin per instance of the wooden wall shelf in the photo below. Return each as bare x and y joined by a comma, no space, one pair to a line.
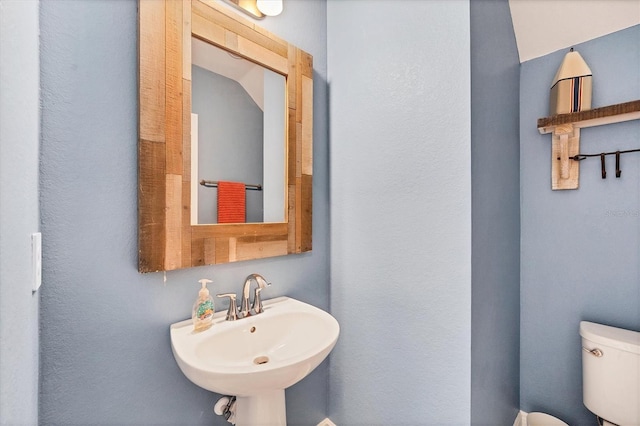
565,130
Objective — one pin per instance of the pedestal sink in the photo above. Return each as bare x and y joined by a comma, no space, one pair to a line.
256,358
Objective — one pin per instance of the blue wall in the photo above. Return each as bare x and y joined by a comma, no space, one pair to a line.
19,148
579,249
106,356
400,211
495,177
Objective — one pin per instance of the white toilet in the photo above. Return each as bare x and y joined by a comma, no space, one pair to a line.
611,373
543,419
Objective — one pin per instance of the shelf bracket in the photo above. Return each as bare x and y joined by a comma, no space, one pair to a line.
565,173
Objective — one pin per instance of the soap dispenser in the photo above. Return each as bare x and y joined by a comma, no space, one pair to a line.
203,309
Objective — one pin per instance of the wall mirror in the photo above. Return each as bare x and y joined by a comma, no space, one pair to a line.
182,140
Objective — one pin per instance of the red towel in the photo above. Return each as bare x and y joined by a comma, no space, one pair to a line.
231,202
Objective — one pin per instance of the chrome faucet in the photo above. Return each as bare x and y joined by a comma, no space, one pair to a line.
256,307
235,313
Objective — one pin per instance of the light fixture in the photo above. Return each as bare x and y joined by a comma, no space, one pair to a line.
270,7
257,8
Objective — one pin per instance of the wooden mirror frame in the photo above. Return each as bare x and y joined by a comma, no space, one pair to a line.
166,238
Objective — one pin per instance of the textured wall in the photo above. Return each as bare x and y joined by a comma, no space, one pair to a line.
19,148
106,356
400,211
495,177
580,248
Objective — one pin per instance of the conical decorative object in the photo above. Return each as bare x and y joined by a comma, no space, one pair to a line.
571,87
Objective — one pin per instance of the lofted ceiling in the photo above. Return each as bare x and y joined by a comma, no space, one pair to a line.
545,26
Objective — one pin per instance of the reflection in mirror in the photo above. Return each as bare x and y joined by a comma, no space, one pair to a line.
238,135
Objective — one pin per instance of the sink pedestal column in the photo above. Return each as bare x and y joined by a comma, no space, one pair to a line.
266,408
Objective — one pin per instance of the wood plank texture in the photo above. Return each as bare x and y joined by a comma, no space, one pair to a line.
222,250
151,68
298,217
230,21
151,134
151,196
167,238
306,124
173,222
261,54
306,214
185,235
173,81
209,251
186,41
207,31
292,78
247,250
292,146
292,246
197,251
238,230
216,28
594,117
186,130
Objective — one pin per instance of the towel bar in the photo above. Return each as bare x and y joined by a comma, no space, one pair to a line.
214,184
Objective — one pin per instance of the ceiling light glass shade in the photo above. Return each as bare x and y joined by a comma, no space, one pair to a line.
270,7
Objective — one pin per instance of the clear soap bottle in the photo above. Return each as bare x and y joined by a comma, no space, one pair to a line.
203,309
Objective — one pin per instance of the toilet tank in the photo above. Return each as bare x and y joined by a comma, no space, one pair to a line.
611,372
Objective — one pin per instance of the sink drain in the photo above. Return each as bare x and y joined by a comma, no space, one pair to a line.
261,360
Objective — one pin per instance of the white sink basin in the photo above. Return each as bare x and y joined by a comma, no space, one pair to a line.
258,356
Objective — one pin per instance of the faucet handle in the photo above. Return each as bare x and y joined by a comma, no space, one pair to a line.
257,302
232,312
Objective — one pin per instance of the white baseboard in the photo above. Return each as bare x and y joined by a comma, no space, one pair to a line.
521,419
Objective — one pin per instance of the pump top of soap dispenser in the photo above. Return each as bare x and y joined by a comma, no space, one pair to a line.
203,309
204,291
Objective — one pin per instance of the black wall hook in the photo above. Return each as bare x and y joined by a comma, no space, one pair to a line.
580,157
